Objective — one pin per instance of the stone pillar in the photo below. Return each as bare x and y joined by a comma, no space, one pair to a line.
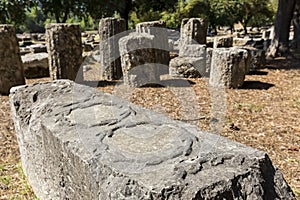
228,67
159,31
138,60
64,51
11,67
109,48
193,31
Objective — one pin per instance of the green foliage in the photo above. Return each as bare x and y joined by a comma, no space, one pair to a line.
34,21
13,11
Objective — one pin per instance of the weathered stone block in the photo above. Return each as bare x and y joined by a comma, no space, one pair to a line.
193,50
109,30
11,67
258,58
188,67
228,67
161,45
36,65
64,51
193,31
137,52
223,41
79,143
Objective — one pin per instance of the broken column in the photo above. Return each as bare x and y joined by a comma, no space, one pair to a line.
191,62
159,31
79,143
64,51
193,31
138,58
228,67
110,62
11,67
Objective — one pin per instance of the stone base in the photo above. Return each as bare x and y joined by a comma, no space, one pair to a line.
79,143
188,67
36,65
228,67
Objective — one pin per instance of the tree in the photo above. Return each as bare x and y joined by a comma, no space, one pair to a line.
13,11
254,10
62,9
296,24
224,12
280,43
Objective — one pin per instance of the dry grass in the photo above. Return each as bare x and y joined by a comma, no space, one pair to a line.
264,114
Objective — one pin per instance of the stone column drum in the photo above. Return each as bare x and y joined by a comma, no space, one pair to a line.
11,67
110,61
193,31
228,67
64,51
161,44
138,60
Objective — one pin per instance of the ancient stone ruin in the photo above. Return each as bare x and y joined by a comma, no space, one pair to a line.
11,67
79,143
64,51
193,31
228,67
191,62
139,61
159,31
110,62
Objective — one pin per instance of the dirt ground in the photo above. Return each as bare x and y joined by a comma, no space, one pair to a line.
264,114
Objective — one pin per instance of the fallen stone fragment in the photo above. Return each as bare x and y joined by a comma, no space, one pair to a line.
79,143
35,65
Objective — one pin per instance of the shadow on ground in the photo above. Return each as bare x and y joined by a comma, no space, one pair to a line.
256,85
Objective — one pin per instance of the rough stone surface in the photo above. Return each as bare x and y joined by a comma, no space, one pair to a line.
228,67
193,50
139,60
11,67
258,58
79,143
64,51
223,41
110,62
38,48
193,31
35,65
159,31
188,67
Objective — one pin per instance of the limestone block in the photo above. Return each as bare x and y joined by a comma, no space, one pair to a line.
109,30
161,45
228,67
188,67
36,65
223,41
137,52
64,51
79,143
11,67
193,50
193,31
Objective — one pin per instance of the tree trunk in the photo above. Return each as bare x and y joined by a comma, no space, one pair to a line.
280,43
125,12
296,24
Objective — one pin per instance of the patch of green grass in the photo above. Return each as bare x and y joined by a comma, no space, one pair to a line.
298,102
297,192
5,179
